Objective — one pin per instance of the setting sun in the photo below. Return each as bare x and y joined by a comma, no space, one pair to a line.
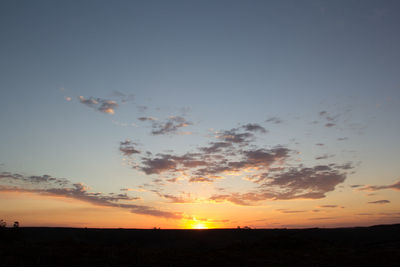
199,225
196,224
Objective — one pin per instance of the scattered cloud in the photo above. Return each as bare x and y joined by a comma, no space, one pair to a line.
295,183
215,147
254,127
124,98
233,136
171,126
99,104
128,148
233,154
177,199
330,119
142,108
48,185
325,115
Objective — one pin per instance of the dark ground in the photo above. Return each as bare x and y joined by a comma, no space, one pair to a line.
361,246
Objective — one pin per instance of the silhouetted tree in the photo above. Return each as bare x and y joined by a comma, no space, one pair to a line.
3,224
16,224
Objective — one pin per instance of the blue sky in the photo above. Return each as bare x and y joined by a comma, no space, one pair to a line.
211,65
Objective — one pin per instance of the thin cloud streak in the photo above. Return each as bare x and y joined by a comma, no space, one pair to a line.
395,186
48,185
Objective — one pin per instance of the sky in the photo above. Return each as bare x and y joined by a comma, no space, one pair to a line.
200,114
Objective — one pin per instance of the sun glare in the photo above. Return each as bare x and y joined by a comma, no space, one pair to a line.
199,225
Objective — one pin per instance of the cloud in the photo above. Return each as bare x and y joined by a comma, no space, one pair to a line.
124,98
294,183
48,185
325,156
171,126
250,159
395,186
254,127
177,199
322,218
293,211
127,148
328,206
342,138
274,172
142,108
221,157
331,120
215,147
383,201
147,119
201,179
245,199
324,114
158,165
232,136
274,120
310,183
99,104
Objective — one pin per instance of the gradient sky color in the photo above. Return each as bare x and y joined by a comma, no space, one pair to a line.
185,114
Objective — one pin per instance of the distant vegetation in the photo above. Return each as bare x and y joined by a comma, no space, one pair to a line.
3,224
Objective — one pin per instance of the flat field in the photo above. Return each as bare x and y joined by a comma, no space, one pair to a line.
359,246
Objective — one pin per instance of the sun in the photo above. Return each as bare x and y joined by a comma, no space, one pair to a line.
199,225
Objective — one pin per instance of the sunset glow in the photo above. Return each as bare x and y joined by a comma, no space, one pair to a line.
200,115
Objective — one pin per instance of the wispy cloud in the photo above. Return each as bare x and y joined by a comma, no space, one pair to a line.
99,104
48,185
254,127
274,120
124,98
325,156
383,201
330,120
328,206
395,186
147,119
293,211
171,126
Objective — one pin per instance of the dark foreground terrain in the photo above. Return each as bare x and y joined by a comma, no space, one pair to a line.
371,246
